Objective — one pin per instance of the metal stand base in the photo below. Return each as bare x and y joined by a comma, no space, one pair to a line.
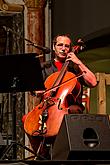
14,143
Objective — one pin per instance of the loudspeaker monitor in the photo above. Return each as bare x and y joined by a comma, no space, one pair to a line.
83,137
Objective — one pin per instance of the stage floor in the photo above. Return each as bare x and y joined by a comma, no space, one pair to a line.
52,162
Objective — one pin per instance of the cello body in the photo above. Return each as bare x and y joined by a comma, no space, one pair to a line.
53,107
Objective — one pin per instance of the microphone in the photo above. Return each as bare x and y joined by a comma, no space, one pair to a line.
44,49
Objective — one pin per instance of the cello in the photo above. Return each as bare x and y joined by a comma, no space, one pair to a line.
46,118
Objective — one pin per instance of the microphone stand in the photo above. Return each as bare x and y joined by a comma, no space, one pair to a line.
46,50
14,87
14,84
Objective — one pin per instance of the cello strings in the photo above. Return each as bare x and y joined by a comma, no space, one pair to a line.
55,87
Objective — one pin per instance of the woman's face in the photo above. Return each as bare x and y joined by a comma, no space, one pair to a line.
62,47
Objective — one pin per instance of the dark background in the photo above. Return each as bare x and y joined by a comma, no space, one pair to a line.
81,18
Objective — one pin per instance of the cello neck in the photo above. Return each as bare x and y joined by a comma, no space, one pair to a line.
61,74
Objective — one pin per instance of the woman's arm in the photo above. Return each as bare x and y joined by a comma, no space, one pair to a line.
88,75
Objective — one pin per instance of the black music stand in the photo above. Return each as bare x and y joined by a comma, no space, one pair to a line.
19,73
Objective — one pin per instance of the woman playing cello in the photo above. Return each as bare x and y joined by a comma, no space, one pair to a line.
62,100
